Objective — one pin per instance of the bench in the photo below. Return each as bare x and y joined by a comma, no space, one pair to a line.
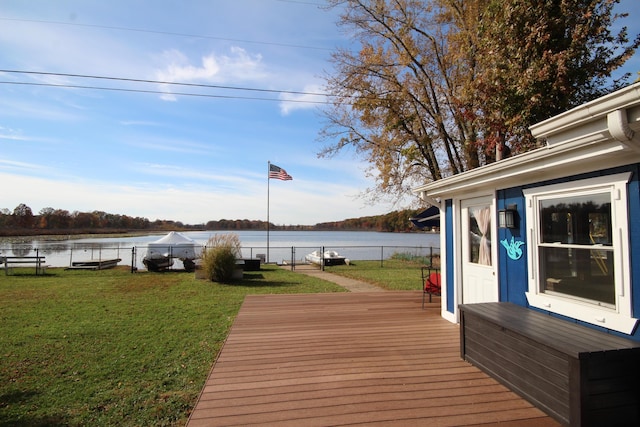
578,375
251,264
10,261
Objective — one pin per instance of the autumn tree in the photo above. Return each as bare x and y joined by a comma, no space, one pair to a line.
83,219
45,215
437,84
60,218
393,99
5,218
23,216
540,58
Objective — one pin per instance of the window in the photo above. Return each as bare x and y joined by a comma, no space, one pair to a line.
480,235
578,237
575,250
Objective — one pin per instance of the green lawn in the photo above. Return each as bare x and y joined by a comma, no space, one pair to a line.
114,348
393,274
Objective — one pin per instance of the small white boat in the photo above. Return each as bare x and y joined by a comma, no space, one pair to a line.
327,258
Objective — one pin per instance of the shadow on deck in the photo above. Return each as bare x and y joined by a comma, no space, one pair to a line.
351,358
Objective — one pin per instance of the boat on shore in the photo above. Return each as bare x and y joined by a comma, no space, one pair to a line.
328,258
162,252
158,263
94,264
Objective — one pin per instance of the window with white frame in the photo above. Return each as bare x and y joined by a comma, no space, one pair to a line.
578,241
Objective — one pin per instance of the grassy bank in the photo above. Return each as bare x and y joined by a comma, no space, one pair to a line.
392,274
113,348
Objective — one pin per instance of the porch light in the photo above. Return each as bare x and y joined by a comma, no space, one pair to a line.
507,217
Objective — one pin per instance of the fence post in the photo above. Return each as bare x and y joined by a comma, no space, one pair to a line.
133,258
381,256
293,258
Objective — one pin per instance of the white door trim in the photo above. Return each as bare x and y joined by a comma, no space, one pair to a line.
486,274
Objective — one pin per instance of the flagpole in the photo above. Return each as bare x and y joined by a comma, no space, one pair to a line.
268,179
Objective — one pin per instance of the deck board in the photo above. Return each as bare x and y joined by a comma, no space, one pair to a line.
351,359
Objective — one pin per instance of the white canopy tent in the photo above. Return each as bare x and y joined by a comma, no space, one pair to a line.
160,253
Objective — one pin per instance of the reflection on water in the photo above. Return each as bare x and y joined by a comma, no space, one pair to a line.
19,250
282,246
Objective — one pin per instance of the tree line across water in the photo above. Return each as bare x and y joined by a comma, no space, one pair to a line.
22,221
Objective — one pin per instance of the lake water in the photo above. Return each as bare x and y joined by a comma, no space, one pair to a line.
283,246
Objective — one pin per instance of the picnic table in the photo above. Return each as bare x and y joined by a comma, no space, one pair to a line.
9,262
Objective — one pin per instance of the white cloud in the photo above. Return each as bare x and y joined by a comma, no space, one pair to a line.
235,67
179,69
41,46
12,134
222,180
147,123
171,145
192,161
20,166
37,110
291,202
308,100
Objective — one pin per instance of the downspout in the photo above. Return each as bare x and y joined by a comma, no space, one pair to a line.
618,126
432,201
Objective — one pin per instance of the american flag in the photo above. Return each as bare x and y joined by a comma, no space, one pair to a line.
278,173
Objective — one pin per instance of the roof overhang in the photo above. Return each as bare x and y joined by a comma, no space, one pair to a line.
601,134
429,217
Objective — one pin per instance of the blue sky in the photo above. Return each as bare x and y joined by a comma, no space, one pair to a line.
168,156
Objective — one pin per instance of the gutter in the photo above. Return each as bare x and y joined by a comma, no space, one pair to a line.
607,131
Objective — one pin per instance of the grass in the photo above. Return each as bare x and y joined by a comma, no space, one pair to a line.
114,348
397,274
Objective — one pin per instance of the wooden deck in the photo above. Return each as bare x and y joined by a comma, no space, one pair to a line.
351,359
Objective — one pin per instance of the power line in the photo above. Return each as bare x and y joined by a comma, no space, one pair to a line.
203,95
168,33
302,2
125,79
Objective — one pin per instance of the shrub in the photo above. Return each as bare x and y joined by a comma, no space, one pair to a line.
220,255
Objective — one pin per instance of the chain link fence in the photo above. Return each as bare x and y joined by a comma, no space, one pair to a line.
77,255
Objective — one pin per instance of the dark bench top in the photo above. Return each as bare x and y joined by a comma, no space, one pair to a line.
21,257
22,260
564,336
